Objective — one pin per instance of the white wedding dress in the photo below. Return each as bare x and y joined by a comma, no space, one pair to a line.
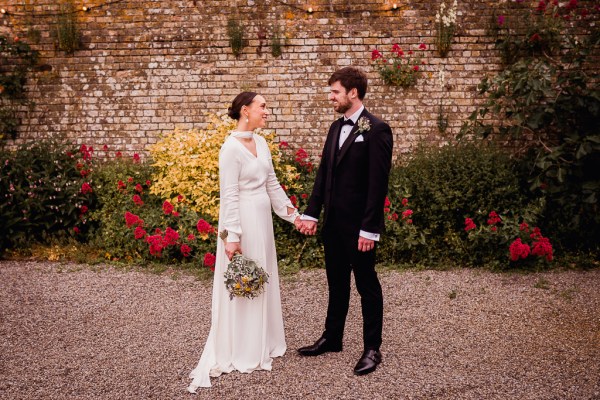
245,334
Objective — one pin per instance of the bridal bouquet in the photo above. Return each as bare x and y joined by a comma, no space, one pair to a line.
244,277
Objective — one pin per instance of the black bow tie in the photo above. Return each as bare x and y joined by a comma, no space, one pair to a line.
348,122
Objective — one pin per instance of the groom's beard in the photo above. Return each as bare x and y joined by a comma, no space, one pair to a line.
342,107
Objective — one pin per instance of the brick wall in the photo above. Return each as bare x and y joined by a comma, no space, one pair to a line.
146,66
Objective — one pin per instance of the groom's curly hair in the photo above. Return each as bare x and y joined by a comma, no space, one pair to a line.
350,78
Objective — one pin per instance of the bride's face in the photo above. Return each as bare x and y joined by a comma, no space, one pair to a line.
257,113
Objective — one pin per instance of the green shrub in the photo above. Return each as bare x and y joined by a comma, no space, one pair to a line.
46,191
136,225
295,250
447,184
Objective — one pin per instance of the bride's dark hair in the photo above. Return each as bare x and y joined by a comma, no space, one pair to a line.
242,99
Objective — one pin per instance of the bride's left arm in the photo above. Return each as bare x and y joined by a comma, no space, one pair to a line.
281,204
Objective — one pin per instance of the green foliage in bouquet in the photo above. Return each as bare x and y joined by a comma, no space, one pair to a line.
46,191
245,278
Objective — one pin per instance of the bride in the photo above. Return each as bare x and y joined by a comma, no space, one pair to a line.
246,334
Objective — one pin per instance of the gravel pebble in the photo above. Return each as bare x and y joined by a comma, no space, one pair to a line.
71,331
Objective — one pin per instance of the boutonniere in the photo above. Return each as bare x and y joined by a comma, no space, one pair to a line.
363,125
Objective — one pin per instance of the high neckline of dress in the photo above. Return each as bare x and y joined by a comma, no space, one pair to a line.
242,134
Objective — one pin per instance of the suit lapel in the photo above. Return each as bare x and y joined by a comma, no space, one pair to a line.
350,140
336,139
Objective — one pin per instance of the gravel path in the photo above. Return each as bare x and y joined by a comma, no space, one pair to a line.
80,332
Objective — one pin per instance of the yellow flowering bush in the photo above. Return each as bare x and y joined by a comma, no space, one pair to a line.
187,165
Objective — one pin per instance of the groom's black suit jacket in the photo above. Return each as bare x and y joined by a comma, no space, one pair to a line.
352,182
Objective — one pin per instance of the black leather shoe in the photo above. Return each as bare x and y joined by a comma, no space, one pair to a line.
321,346
368,362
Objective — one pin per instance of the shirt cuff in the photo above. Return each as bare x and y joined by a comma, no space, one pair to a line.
369,235
305,217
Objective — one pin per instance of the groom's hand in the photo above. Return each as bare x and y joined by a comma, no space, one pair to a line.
365,244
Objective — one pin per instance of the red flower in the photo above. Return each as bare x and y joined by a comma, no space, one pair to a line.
167,207
494,218
387,202
304,195
204,227
416,68
493,228
469,224
158,231
105,148
386,210
76,230
148,183
79,166
524,227
535,38
130,179
84,209
155,242
536,234
571,5
137,200
518,250
191,237
209,261
139,232
294,200
175,214
541,7
301,156
375,54
118,154
543,248
423,46
406,214
409,221
171,237
121,185
132,219
283,145
136,158
185,250
179,198
394,217
139,188
404,202
84,172
283,187
86,188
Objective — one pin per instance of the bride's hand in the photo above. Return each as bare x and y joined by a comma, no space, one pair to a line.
231,248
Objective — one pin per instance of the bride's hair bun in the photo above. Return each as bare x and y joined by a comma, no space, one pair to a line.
242,99
231,114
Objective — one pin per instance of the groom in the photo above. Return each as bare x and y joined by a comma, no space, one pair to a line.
351,185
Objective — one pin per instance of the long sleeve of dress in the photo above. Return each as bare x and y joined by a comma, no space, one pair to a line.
279,200
229,172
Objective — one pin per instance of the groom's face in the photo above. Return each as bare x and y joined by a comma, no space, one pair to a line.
339,98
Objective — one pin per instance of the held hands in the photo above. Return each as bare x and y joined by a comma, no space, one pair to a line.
231,248
306,227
